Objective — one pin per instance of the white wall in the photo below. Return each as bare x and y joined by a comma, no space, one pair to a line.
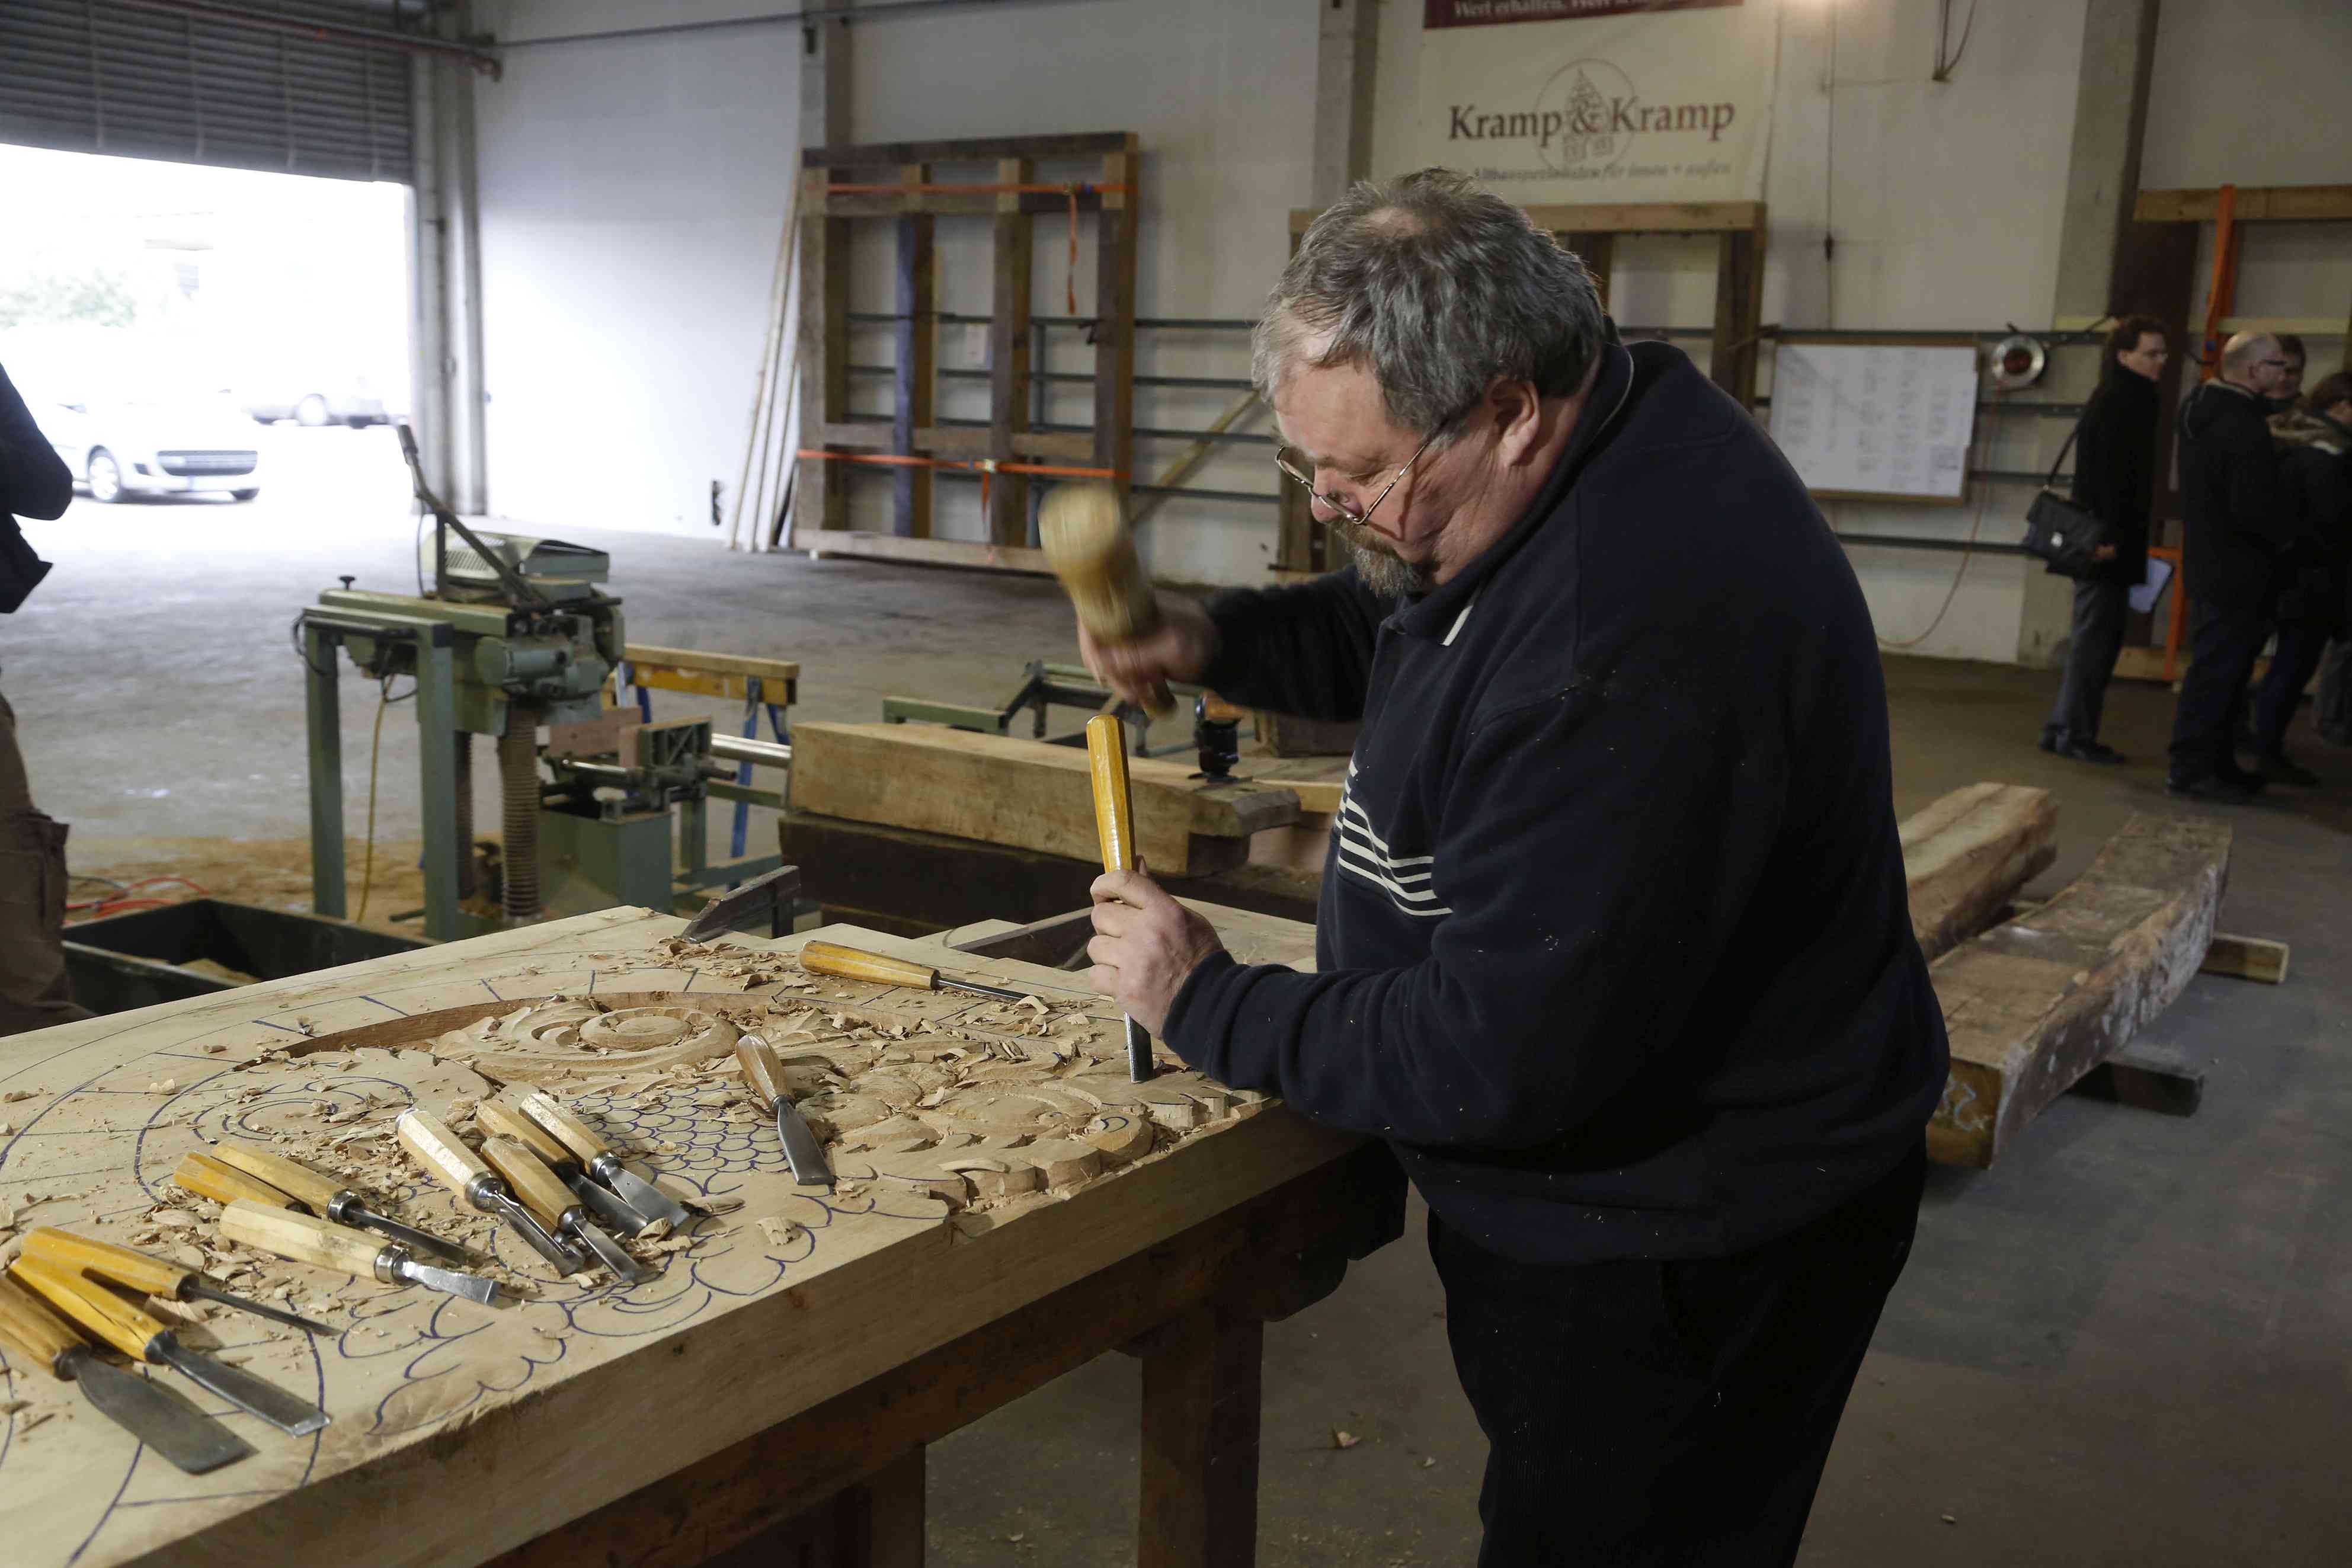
630,192
632,196
2248,92
2243,93
1945,199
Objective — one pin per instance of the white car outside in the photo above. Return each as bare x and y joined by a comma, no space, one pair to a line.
162,446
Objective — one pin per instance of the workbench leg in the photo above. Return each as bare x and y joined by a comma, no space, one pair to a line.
322,716
1200,1442
888,1518
878,1523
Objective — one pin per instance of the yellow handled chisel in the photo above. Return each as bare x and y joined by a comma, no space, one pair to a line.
142,1338
163,1418
855,963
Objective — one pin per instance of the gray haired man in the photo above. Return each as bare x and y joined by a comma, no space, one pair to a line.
1613,948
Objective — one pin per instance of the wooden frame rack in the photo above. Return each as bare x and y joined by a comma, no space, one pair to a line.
1591,230
895,181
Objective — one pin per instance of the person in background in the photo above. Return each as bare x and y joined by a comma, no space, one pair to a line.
2286,402
2238,524
34,482
2115,479
2315,463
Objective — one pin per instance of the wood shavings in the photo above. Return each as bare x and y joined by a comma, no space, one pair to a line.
27,1422
164,1086
14,1095
1344,1439
779,1232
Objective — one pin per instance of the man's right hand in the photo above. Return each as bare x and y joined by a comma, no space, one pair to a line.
1179,651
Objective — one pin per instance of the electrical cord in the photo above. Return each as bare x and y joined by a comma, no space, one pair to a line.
1968,553
385,700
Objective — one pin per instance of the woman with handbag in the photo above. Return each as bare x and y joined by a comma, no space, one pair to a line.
2114,480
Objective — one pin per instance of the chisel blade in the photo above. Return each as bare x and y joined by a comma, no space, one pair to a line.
566,1257
608,1208
643,1196
295,1418
801,1147
406,1235
449,1281
611,1252
163,1418
247,1304
1139,1052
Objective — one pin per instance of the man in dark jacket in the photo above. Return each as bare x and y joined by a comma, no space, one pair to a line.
1613,947
2238,524
33,994
2316,467
2115,479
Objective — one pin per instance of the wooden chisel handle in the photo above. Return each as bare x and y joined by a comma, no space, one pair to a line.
1114,807
853,963
439,1150
63,1250
209,1178
303,1238
761,1070
546,1197
557,1118
32,1331
504,1120
315,1190
91,1305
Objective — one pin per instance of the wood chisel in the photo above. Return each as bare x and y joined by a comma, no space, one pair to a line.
603,1163
143,1338
1115,830
765,1074
306,1238
557,1208
495,1116
153,1276
330,1199
163,1418
442,1153
855,963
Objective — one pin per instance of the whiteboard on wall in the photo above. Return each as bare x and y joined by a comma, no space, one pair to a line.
1889,421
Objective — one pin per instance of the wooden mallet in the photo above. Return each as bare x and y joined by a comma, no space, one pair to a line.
1090,549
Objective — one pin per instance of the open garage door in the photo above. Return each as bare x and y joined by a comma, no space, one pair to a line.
199,85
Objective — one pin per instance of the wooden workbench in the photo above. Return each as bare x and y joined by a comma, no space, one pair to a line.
776,1383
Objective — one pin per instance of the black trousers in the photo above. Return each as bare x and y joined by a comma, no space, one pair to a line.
2302,643
2100,609
1674,1414
2223,643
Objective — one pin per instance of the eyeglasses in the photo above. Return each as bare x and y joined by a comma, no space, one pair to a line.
1284,459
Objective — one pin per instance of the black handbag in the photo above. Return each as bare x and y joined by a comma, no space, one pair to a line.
2056,530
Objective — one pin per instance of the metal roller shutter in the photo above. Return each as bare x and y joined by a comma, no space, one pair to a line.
84,76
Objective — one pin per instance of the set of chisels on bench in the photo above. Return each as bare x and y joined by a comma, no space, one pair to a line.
547,1169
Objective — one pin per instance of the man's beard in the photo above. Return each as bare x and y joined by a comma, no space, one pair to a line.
1383,571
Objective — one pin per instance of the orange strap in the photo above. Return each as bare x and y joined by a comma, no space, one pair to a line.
1074,190
983,466
2223,294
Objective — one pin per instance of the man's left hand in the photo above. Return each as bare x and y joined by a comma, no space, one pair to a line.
1145,946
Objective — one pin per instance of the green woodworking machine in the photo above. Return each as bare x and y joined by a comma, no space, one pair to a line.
515,635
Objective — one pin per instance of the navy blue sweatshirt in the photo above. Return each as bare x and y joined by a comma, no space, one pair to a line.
1614,946
34,482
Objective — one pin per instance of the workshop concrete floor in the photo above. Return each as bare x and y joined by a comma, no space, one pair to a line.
2126,1345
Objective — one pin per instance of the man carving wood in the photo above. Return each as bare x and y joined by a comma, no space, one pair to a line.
1613,947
